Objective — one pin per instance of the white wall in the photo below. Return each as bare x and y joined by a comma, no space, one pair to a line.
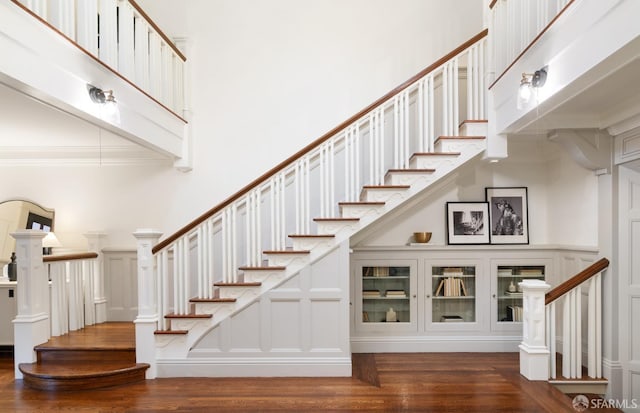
267,77
563,206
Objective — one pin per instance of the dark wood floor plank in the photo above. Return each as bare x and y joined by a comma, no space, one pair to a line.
419,382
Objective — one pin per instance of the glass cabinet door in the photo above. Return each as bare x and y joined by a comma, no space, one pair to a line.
386,294
509,293
453,294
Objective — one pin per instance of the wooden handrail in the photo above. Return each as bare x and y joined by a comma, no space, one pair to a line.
576,280
184,230
493,3
70,257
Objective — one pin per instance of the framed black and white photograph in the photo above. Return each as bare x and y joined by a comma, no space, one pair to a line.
467,223
509,215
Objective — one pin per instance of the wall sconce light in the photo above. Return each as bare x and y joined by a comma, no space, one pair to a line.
105,98
528,82
98,95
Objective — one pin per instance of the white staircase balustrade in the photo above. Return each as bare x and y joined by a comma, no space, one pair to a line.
120,35
303,208
514,24
73,283
569,320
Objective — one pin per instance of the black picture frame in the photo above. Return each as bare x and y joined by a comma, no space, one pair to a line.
467,223
508,214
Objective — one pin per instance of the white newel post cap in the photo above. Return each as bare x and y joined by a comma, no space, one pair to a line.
534,354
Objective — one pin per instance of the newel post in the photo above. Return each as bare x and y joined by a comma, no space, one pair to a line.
534,354
147,320
31,325
100,300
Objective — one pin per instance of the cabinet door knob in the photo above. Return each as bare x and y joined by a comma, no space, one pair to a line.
428,296
414,296
494,296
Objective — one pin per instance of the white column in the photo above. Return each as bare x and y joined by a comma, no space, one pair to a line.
95,240
147,320
534,354
31,325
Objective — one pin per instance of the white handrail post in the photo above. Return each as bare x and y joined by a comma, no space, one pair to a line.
147,319
31,325
534,354
95,240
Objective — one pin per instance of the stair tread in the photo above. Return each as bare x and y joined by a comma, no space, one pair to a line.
436,154
312,236
69,369
379,203
386,186
238,284
79,347
425,170
265,268
460,137
298,252
188,316
335,219
212,300
580,380
170,332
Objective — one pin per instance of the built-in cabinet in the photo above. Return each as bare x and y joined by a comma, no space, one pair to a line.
443,298
8,311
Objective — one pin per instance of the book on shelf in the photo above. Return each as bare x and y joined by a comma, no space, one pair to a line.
451,287
451,319
513,293
531,271
365,316
396,293
371,293
505,272
514,313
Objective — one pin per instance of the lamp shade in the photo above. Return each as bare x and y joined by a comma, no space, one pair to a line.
50,241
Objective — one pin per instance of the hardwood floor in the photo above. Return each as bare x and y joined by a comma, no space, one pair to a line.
420,382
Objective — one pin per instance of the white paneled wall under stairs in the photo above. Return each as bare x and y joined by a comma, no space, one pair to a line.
259,285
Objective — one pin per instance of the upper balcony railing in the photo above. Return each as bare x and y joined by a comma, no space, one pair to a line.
516,24
124,39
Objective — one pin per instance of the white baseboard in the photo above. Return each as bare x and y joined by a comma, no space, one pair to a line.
612,370
256,367
435,344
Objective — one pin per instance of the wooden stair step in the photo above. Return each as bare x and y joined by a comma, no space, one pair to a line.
212,300
411,171
312,236
363,203
85,355
284,252
265,268
170,332
436,154
386,187
79,375
339,219
238,284
188,316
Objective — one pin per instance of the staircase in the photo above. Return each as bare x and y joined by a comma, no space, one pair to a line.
239,286
94,357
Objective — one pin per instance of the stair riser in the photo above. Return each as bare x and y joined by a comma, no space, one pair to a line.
88,356
311,242
238,292
218,310
474,129
361,211
383,195
336,227
436,162
84,383
284,260
263,276
459,145
406,178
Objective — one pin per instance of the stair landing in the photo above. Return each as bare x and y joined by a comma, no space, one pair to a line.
98,356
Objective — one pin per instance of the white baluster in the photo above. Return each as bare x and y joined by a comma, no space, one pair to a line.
381,164
421,121
356,183
455,97
59,304
176,277
186,276
283,222
598,315
431,131
578,334
396,132
480,84
155,65
332,179
88,279
551,338
591,329
164,280
566,336
62,16
87,25
166,95
108,43
126,56
407,138
445,99
210,276
142,53
201,247
178,85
